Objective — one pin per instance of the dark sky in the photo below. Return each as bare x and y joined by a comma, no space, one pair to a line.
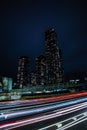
22,27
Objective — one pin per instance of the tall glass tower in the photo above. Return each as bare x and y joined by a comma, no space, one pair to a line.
23,71
54,64
40,70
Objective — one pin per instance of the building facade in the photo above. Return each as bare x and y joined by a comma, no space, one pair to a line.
23,72
7,84
54,63
41,70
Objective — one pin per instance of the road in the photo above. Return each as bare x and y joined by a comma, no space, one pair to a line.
67,118
21,103
42,115
81,126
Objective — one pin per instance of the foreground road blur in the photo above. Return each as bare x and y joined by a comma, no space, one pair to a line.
30,102
45,113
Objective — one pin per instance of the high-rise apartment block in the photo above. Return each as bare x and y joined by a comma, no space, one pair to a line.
54,64
41,70
23,72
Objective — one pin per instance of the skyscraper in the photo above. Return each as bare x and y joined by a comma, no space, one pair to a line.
54,64
40,70
23,71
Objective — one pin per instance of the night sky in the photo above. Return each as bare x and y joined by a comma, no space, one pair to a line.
22,27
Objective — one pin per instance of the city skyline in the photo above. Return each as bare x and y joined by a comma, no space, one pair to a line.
22,33
48,68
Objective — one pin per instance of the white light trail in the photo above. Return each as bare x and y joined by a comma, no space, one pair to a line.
73,124
39,110
57,113
77,121
73,121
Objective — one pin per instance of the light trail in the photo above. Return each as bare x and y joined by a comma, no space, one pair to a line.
39,110
73,124
57,113
37,106
29,107
42,100
68,122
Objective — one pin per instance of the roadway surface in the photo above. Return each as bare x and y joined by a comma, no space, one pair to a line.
22,115
80,126
21,103
43,125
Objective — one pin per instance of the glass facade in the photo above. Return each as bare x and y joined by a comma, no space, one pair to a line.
23,72
54,64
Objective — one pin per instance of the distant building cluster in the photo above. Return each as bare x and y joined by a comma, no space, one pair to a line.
48,75
49,67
